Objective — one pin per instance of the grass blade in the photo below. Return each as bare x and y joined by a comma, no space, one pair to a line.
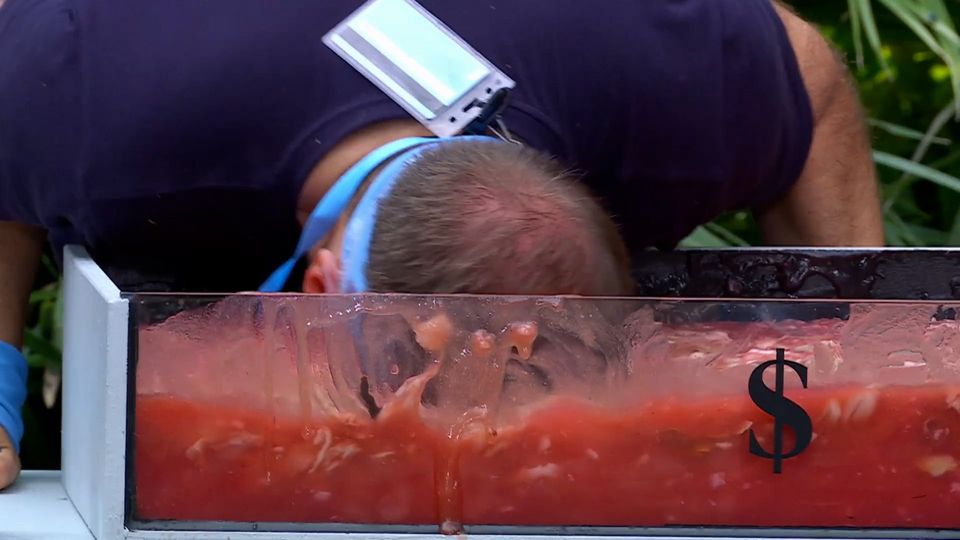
906,133
865,11
926,236
892,234
854,7
917,169
703,238
908,238
920,152
936,16
909,16
938,9
726,235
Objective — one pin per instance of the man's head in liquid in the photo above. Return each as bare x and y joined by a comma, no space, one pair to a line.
485,218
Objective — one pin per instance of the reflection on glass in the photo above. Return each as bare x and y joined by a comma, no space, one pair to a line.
454,412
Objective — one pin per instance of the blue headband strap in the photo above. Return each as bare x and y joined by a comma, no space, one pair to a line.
331,207
360,226
359,233
356,240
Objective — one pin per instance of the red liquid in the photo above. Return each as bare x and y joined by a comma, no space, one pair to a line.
880,458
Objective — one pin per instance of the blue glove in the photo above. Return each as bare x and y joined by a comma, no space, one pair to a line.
13,392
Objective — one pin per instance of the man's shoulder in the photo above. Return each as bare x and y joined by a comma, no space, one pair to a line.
821,66
40,108
38,48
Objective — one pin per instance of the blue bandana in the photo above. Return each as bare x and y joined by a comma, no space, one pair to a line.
361,223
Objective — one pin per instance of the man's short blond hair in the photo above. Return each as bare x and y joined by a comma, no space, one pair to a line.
494,218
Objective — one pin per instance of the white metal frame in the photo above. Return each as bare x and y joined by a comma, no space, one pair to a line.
96,326
94,393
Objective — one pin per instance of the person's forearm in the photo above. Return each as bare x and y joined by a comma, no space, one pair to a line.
20,249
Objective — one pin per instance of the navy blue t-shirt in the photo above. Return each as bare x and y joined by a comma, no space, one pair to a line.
172,138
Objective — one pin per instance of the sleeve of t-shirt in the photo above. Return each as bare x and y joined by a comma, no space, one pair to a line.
790,121
680,112
39,105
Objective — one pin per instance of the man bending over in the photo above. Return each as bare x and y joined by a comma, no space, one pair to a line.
187,144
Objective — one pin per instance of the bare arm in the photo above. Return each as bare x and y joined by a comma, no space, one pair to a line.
20,249
835,202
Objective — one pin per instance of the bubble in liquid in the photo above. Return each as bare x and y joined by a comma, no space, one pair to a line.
482,343
521,336
394,369
434,334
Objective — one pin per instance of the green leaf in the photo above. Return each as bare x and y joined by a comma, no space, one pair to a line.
45,323
853,6
57,336
939,10
40,346
46,294
907,237
726,235
917,169
48,264
703,238
934,14
896,192
864,10
926,236
907,13
905,132
35,361
893,236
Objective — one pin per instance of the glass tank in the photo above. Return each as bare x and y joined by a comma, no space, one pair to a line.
398,413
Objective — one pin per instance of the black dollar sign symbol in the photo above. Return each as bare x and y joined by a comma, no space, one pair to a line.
781,409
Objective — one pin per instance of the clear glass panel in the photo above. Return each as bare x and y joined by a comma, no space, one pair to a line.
456,412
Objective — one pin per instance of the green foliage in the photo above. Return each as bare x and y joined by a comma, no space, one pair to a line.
42,346
905,57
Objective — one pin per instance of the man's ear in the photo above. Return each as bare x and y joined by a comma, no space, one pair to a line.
323,274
